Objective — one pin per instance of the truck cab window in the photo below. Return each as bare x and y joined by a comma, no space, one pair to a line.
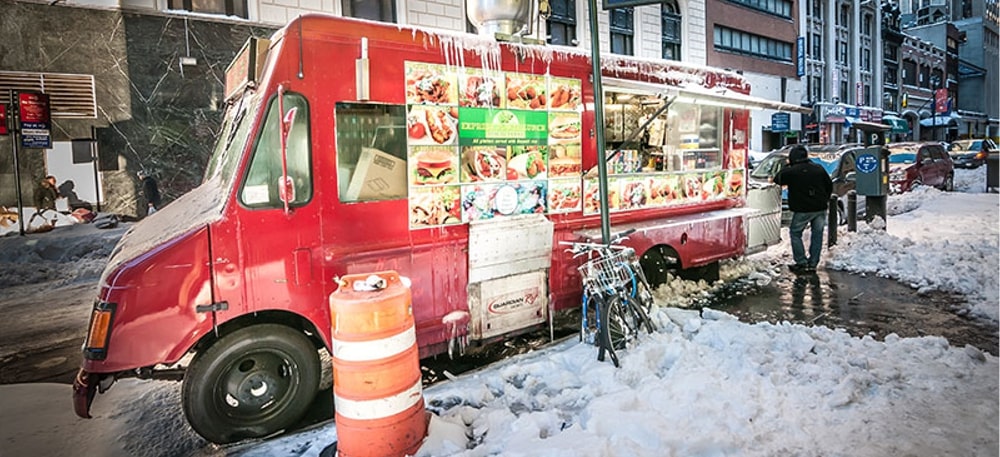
371,151
261,187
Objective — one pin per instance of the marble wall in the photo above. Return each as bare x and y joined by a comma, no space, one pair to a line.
153,113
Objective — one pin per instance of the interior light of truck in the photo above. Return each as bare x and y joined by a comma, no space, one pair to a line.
100,330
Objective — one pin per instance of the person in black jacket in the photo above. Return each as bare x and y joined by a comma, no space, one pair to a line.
150,191
46,194
809,189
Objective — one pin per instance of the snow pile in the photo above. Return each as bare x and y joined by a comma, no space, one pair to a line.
958,252
708,385
71,252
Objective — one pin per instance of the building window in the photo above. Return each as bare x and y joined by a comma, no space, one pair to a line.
817,46
622,31
925,76
889,101
816,89
782,8
909,72
866,27
845,93
889,74
227,7
891,52
842,52
867,91
844,19
937,79
732,40
379,10
670,20
562,22
866,60
818,9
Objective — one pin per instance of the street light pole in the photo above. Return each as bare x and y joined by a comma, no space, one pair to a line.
602,166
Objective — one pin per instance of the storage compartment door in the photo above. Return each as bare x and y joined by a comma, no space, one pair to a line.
764,224
509,260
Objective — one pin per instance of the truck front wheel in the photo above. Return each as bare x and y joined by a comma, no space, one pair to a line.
251,383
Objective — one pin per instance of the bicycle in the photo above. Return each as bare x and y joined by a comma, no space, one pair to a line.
615,286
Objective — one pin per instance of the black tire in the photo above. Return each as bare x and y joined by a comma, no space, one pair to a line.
623,322
220,395
949,183
655,266
601,307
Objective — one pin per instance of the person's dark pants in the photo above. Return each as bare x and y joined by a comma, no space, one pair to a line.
816,221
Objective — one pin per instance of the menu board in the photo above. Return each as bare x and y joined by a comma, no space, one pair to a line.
483,144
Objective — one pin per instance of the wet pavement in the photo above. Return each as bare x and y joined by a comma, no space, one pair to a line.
859,304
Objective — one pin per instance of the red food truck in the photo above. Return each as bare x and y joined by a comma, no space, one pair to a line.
459,161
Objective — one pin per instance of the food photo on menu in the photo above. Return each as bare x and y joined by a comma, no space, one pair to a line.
434,206
591,195
635,194
433,165
564,128
430,84
484,163
713,186
431,125
692,186
564,195
526,162
663,190
735,181
564,94
526,91
565,160
480,90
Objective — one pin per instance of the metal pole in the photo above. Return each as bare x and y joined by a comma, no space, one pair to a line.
602,166
852,211
94,156
14,111
832,222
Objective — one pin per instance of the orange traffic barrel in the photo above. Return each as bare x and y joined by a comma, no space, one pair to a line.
378,398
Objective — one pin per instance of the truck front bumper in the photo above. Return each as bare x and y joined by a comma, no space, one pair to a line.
84,389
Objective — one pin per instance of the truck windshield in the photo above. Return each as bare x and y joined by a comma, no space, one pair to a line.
232,137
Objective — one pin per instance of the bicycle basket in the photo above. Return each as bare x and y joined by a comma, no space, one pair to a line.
609,272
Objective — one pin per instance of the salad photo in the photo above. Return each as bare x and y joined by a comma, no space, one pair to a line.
480,91
430,84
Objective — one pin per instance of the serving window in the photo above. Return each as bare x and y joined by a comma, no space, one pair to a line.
662,152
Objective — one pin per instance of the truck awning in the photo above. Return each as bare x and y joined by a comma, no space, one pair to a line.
724,98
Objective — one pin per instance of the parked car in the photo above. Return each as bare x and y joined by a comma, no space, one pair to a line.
756,157
915,164
971,153
837,159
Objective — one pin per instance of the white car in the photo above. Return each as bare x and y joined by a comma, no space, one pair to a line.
756,157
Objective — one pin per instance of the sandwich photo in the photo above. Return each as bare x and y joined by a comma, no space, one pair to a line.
565,127
434,166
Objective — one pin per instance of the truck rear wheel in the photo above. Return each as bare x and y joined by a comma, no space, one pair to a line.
251,383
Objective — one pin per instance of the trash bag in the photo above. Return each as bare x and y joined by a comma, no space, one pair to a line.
83,215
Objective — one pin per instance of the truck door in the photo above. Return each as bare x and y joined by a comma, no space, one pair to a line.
277,244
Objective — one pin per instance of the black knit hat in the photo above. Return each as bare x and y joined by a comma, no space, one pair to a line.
798,154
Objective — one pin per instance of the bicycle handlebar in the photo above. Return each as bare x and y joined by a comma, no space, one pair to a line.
580,248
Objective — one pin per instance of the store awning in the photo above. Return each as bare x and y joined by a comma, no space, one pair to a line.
941,120
856,123
724,98
896,124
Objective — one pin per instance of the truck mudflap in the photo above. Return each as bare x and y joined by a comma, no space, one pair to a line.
84,389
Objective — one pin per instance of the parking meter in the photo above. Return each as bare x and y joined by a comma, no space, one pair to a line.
871,167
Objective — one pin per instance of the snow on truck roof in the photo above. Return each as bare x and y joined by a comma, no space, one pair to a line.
455,45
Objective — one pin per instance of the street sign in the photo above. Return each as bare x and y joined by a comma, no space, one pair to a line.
35,120
800,55
780,122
